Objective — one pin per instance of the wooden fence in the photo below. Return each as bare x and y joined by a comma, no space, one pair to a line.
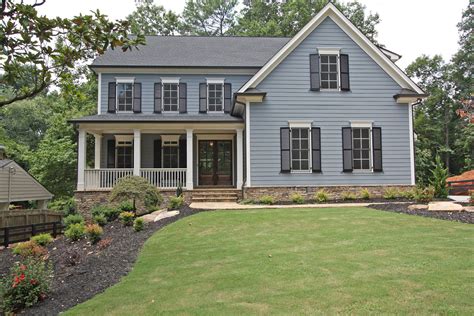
461,187
28,217
13,234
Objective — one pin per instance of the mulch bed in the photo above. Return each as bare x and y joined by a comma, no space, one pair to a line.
464,217
82,270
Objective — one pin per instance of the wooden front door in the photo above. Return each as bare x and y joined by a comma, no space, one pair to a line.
215,162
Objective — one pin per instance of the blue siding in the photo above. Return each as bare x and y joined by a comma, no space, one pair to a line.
289,98
148,81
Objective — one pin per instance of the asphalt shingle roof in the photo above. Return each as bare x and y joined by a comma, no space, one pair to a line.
195,51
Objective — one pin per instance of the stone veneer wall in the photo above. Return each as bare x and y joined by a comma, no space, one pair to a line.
86,200
282,194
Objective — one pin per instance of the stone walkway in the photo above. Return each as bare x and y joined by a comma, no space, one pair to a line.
158,215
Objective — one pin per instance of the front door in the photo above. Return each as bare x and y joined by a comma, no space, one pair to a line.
215,162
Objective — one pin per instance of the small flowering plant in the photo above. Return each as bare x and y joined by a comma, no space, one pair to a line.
27,283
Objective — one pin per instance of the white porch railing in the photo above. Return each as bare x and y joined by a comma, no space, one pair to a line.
163,178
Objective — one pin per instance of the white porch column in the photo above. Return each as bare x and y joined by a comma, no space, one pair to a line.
240,158
189,159
97,150
81,159
137,139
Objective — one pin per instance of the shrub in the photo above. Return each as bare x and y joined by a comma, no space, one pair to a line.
134,188
100,219
438,180
94,232
126,206
365,194
66,206
73,219
138,224
75,232
346,196
109,212
297,198
30,249
43,239
25,285
391,193
424,195
321,196
408,194
267,199
127,218
247,201
175,202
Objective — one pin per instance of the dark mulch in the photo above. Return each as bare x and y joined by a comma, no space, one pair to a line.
82,270
464,217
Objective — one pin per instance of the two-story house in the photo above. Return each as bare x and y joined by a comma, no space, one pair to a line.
325,108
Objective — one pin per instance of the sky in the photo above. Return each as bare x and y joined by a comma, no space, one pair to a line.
408,27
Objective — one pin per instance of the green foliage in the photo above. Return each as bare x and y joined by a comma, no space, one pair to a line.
127,218
65,205
151,19
347,196
73,219
29,249
267,199
391,193
438,180
25,285
408,194
364,194
94,232
179,190
247,201
138,224
424,195
321,196
109,212
100,219
126,206
175,202
136,188
297,198
75,231
42,239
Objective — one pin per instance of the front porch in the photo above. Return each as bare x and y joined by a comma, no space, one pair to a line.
171,157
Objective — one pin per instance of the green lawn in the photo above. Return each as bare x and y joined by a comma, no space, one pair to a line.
298,261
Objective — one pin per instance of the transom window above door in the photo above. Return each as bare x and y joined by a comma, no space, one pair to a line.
170,97
329,72
215,97
124,96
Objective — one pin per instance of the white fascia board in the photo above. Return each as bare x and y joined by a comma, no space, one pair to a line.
353,32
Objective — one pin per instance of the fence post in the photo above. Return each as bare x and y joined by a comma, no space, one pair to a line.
6,239
54,230
33,230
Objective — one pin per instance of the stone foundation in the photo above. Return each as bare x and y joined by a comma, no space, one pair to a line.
282,194
86,200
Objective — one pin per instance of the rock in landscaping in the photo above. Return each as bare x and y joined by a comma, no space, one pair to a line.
166,215
418,207
148,218
445,206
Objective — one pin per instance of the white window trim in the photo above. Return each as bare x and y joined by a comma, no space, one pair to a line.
331,51
119,80
301,124
369,125
169,138
215,81
168,81
123,138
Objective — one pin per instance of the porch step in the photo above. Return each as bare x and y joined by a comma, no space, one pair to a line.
215,195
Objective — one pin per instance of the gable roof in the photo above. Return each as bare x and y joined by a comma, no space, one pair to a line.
195,51
330,10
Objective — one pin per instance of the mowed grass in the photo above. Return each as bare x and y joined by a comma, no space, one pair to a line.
298,261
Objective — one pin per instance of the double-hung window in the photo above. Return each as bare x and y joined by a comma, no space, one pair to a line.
215,96
329,72
170,95
124,149
170,151
124,96
361,148
300,146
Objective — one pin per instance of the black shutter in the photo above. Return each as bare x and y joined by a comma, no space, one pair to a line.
227,97
316,148
137,97
157,153
377,148
203,97
182,153
344,66
157,96
347,149
314,72
111,153
285,149
183,93
112,97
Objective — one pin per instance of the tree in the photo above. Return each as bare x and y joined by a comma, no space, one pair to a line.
439,177
151,19
208,17
37,51
286,19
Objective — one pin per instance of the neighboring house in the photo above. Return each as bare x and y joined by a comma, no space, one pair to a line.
17,185
326,108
